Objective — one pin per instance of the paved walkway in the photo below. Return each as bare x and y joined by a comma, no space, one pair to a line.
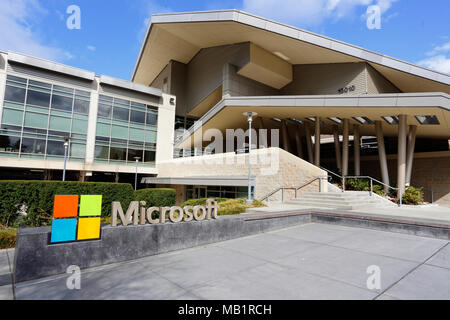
6,259
311,261
428,212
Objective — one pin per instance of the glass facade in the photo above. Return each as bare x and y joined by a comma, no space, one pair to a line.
198,192
125,130
37,116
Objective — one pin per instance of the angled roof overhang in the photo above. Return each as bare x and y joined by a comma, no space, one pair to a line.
228,113
179,36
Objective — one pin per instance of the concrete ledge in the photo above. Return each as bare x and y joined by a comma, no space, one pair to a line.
35,258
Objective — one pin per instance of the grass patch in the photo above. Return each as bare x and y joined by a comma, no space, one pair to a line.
7,237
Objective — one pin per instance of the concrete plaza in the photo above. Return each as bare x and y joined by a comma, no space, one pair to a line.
311,261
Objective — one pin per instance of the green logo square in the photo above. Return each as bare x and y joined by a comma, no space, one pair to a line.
91,206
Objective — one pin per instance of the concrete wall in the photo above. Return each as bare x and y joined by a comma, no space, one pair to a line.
376,83
272,167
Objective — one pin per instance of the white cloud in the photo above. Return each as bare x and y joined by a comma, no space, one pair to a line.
91,48
17,32
439,63
307,12
439,49
151,7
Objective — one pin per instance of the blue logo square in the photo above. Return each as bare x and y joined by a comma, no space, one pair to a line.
63,230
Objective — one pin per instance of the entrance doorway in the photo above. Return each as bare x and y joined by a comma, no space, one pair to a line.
199,192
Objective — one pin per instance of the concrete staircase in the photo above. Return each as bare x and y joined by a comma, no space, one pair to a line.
349,200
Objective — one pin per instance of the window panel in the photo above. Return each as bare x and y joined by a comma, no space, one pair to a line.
77,150
134,153
59,123
79,126
104,111
136,134
152,118
55,148
38,98
30,145
119,132
14,94
13,117
121,114
103,130
62,103
101,152
9,143
137,116
36,120
150,136
118,153
149,156
81,106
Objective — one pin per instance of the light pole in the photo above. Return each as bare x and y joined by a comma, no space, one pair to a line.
135,177
66,146
249,116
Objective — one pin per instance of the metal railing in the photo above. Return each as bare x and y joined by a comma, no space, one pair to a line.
297,188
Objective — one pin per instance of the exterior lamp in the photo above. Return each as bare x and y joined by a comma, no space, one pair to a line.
135,177
249,116
66,147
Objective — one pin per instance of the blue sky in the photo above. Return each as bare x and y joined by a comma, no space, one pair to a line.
112,30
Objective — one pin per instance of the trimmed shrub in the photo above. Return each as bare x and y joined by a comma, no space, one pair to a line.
379,190
158,197
200,202
37,197
226,206
357,184
7,238
413,196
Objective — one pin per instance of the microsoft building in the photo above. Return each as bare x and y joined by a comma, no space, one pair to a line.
339,110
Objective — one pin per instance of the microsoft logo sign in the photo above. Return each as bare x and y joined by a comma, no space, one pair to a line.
71,224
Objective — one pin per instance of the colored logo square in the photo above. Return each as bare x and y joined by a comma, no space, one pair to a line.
63,230
90,206
88,228
65,206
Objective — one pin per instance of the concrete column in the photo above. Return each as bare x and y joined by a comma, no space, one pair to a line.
298,142
345,148
401,163
410,153
317,142
117,178
309,143
262,137
356,145
92,126
2,87
284,135
382,155
337,148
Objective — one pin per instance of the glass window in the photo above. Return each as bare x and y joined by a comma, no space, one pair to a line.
150,136
118,153
36,120
137,116
103,130
81,106
14,94
38,98
121,114
137,134
30,145
134,153
79,126
59,123
40,84
119,132
77,150
55,148
101,152
9,143
13,117
104,111
62,103
149,156
152,118
17,79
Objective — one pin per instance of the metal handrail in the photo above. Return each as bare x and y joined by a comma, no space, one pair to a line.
282,188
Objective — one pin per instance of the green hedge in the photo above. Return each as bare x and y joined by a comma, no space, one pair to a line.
7,238
158,197
38,196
